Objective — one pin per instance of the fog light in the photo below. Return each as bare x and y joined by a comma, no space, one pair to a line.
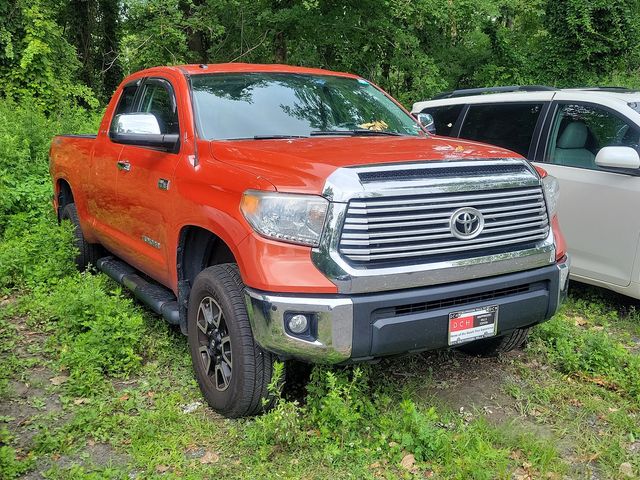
298,323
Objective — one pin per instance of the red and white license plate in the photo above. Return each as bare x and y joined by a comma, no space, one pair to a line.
470,325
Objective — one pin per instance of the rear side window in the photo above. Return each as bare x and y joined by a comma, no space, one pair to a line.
445,117
507,125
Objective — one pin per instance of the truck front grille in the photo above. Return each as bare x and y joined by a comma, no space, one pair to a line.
387,230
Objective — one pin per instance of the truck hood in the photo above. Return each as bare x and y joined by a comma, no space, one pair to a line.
303,165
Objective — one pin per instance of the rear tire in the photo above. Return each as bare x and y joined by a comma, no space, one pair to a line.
88,253
492,347
233,372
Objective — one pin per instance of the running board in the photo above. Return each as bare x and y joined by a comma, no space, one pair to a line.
158,298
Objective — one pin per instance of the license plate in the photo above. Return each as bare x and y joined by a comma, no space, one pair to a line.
470,325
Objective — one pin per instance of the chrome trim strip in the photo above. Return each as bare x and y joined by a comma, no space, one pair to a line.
411,206
334,318
526,193
344,185
413,237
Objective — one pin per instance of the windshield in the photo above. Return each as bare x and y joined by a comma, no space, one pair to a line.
263,105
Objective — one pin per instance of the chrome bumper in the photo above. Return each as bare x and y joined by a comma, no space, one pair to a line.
337,317
334,330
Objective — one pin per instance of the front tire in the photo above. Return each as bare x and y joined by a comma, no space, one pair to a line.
88,253
492,347
233,372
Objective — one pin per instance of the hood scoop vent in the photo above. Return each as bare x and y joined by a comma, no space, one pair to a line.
445,171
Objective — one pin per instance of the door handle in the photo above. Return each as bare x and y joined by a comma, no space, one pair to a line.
124,165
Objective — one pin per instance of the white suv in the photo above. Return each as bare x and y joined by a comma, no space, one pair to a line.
587,138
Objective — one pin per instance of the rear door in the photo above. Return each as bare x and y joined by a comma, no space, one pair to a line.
597,208
101,188
511,125
145,186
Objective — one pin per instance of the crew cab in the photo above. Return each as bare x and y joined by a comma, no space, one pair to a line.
277,213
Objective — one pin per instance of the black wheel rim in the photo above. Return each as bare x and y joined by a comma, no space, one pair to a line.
215,343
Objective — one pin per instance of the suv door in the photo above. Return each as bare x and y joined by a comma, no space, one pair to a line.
144,189
597,207
513,126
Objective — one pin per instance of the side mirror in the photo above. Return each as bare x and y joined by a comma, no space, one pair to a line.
427,122
142,129
618,157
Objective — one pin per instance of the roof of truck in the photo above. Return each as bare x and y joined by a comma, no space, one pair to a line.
199,69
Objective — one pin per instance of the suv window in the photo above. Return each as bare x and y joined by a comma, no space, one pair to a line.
508,125
158,98
578,132
445,117
125,104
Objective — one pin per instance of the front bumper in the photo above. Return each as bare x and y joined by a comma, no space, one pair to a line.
366,326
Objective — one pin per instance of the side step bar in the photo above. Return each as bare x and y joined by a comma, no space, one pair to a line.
158,298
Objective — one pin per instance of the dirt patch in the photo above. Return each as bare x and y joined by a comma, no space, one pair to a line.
33,403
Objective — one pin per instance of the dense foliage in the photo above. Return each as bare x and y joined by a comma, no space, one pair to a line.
79,50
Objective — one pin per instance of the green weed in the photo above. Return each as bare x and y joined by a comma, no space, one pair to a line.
591,352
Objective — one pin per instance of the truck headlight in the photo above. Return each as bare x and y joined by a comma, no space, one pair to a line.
551,193
286,217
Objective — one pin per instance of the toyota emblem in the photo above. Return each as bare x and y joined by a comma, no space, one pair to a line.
466,223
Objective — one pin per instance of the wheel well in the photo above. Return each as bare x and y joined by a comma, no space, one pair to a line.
65,195
198,249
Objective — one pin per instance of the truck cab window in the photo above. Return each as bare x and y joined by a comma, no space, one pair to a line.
158,99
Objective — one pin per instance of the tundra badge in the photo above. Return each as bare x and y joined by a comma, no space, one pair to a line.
151,241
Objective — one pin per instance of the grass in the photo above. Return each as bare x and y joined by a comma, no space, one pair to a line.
128,384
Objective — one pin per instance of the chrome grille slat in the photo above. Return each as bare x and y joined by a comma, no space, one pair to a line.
424,253
383,234
386,228
422,206
415,235
479,239
452,198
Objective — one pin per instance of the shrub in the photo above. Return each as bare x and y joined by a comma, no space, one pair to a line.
25,137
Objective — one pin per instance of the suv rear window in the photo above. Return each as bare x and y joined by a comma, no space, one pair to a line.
508,125
445,117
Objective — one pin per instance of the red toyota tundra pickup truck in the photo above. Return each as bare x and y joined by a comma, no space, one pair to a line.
275,212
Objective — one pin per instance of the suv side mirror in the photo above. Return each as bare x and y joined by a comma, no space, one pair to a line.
618,157
427,122
142,129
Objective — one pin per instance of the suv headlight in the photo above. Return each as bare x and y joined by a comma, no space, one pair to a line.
551,193
286,217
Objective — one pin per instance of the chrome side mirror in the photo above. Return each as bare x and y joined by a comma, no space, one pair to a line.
618,157
427,122
143,130
142,123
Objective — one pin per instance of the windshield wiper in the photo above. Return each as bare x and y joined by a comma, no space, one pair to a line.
354,133
271,137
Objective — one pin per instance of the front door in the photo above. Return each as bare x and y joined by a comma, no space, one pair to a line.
145,186
597,208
